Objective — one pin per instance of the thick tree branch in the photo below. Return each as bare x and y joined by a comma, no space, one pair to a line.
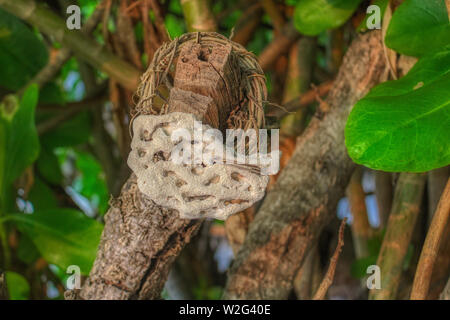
85,47
305,196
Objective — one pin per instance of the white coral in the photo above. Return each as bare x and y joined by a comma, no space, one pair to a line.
199,190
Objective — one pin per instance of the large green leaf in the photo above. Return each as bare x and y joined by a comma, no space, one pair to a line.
63,236
18,286
419,27
312,17
404,125
19,144
22,54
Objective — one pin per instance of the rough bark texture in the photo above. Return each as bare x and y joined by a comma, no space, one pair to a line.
308,189
203,70
139,243
141,240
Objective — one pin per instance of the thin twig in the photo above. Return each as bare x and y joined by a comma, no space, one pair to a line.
303,101
329,276
431,247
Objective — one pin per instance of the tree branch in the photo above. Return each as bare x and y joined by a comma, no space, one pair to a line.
305,195
431,247
405,210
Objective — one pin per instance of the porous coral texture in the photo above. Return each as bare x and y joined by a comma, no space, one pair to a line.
197,189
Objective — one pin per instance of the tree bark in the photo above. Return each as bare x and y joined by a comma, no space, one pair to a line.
305,196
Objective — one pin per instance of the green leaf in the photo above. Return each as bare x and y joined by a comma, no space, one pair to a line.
419,27
63,236
312,17
19,144
22,54
404,125
18,286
